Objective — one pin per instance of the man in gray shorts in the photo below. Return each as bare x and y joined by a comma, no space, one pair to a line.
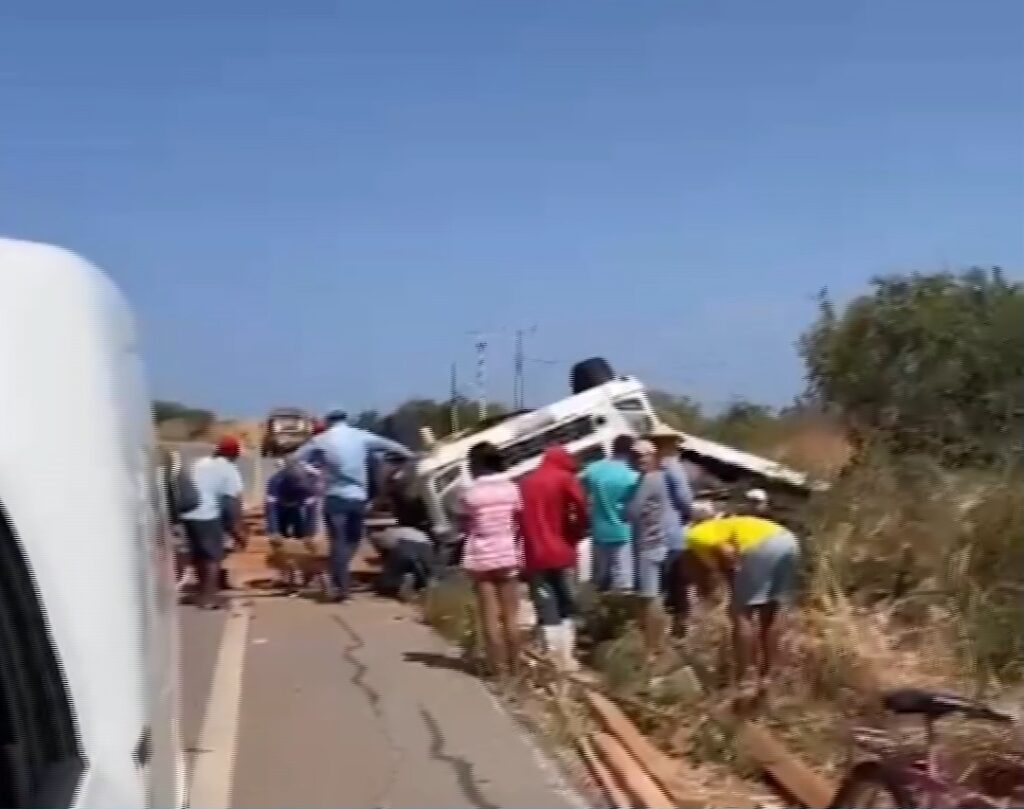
759,558
646,512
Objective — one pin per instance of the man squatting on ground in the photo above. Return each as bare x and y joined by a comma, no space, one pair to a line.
219,486
343,453
554,520
407,549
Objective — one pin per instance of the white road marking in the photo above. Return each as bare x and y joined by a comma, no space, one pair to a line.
213,771
556,780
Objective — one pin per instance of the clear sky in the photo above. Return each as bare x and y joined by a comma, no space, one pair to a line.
314,202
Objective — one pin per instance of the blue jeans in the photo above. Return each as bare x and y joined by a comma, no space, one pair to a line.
344,522
553,596
613,566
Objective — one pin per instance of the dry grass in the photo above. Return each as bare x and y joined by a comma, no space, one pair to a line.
932,561
449,606
913,576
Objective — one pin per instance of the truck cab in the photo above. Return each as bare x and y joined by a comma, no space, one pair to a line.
285,430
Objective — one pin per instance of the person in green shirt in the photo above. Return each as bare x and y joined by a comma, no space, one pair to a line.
609,485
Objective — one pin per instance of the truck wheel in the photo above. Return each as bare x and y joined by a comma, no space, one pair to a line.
590,373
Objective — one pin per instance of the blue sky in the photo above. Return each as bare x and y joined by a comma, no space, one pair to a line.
315,202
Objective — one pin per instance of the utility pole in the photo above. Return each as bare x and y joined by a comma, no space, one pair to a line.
517,382
453,407
519,386
481,377
482,344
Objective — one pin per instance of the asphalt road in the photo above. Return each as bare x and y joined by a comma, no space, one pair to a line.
291,703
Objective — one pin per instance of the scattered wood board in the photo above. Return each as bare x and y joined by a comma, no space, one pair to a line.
616,795
792,774
665,770
642,789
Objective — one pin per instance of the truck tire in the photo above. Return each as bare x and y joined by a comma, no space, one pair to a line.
590,373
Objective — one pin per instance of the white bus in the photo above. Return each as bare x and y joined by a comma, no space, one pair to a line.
586,424
88,627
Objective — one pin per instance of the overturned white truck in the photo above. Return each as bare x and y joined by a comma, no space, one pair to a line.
602,407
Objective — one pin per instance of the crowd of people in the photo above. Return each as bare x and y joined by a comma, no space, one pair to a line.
650,540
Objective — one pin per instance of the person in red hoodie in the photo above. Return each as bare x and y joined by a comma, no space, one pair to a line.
554,520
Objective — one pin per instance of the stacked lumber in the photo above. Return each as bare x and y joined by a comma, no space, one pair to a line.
664,771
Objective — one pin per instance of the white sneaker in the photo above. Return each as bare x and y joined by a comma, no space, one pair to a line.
568,646
552,636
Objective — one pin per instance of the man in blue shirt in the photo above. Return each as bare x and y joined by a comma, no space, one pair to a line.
343,453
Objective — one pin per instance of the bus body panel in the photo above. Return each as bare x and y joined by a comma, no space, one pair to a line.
77,480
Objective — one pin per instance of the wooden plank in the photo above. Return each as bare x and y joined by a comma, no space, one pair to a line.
798,779
617,797
665,770
642,789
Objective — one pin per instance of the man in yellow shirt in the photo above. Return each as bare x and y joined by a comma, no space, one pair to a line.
758,558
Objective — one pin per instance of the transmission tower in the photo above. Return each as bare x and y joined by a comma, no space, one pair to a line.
453,406
481,377
519,383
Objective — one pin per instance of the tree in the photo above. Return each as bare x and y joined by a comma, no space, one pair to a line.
678,411
744,424
189,422
931,362
369,420
405,421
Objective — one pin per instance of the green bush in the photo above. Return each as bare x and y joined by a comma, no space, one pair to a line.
906,532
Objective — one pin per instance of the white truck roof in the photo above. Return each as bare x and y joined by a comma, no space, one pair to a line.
773,470
456,447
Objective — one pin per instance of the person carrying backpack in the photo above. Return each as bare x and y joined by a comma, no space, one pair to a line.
219,511
179,495
179,492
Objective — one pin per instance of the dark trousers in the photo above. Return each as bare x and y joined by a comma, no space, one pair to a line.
553,595
675,584
344,521
406,558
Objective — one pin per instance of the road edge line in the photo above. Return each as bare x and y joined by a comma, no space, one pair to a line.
214,763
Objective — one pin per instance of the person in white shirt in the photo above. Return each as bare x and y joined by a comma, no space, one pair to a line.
219,485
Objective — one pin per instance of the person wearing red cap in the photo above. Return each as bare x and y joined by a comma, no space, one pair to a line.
219,485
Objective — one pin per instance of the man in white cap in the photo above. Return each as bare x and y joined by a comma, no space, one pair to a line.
646,512
756,502
674,578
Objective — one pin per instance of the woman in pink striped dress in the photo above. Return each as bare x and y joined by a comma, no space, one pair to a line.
490,507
